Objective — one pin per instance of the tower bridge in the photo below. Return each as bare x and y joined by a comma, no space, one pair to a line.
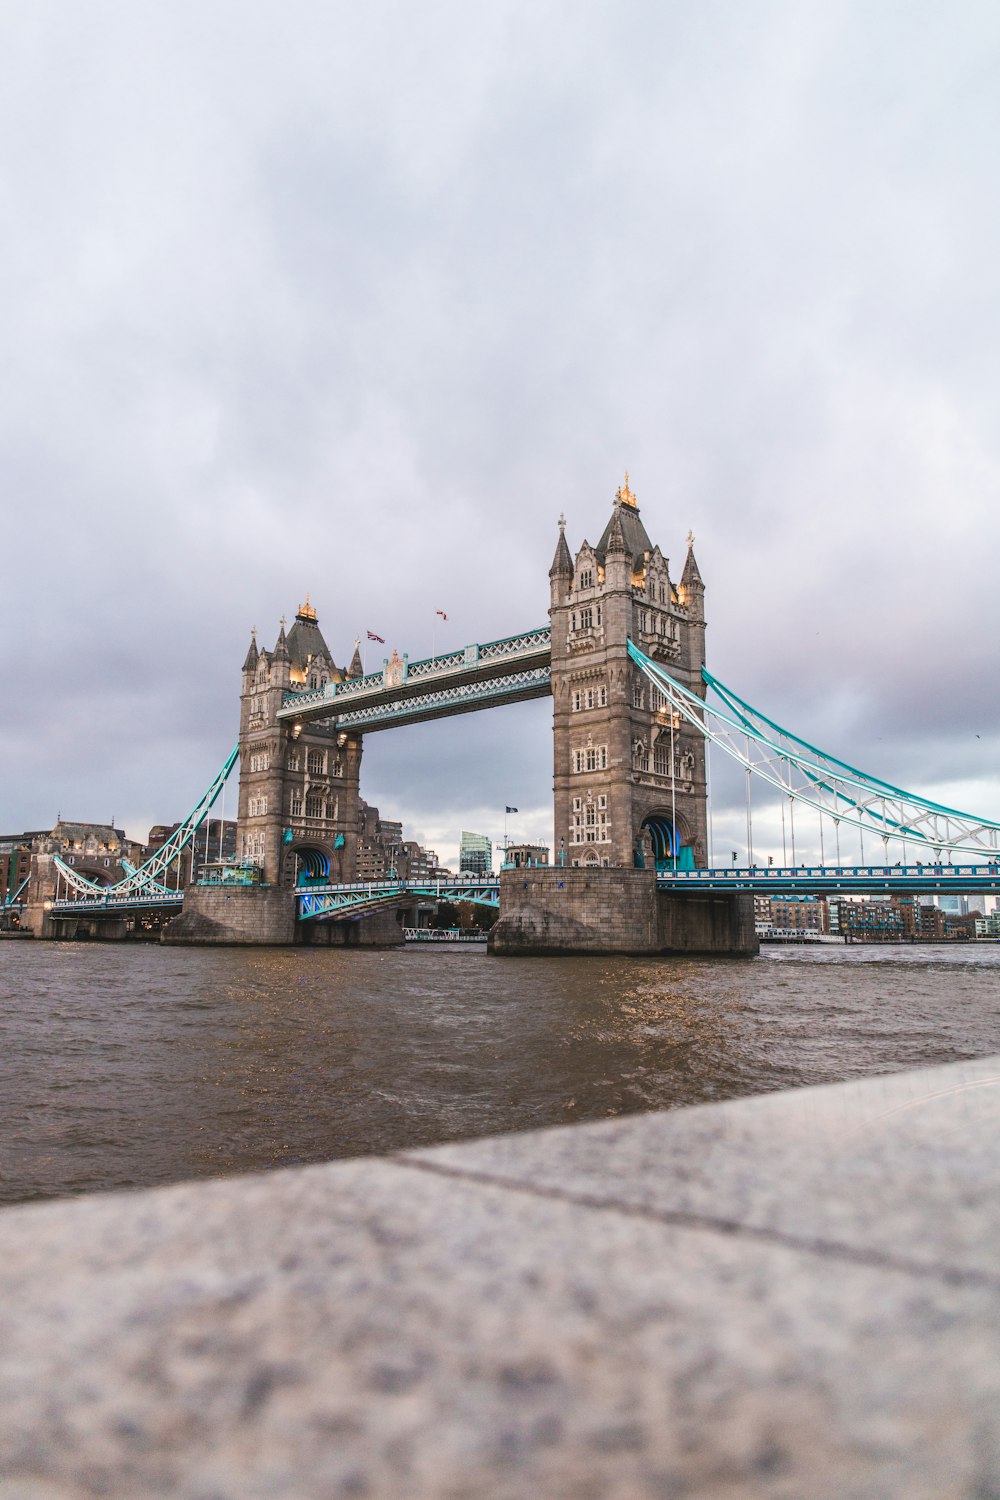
635,711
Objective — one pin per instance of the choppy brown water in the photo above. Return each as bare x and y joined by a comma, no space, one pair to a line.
128,1066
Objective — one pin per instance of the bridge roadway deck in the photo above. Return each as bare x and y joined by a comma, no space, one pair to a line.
355,898
478,676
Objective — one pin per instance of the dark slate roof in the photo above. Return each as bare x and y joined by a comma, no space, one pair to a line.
636,540
305,640
691,574
356,669
562,563
252,655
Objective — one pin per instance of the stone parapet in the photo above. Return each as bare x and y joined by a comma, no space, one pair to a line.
774,1298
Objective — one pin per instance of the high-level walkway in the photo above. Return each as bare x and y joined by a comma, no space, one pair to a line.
404,692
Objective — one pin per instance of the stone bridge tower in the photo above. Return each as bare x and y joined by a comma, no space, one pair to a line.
629,777
298,807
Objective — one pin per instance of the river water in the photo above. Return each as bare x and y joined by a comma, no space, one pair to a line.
132,1065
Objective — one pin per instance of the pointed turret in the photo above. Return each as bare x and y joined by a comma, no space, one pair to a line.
614,537
561,571
356,669
253,655
562,563
691,577
280,652
691,589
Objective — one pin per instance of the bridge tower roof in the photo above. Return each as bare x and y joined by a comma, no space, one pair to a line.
626,519
305,639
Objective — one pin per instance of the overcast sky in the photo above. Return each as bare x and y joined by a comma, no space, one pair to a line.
356,299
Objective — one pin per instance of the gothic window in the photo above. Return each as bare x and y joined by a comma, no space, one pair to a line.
598,614
577,803
338,766
314,762
586,618
293,760
640,755
637,693
313,681
257,807
296,805
587,578
577,700
592,758
661,760
314,807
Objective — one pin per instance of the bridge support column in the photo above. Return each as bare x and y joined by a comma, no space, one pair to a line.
576,910
234,914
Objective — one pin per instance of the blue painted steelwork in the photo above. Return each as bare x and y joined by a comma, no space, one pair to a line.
513,687
474,677
136,901
14,900
142,882
818,780
358,898
828,879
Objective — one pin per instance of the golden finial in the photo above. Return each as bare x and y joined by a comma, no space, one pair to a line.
624,495
306,611
690,540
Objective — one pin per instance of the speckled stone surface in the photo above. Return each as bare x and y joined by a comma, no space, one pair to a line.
778,1297
904,1168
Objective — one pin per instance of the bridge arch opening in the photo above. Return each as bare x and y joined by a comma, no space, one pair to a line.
670,847
97,874
306,864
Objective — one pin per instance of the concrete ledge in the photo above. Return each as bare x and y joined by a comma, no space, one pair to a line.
791,1296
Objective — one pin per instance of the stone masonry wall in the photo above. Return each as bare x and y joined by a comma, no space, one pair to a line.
567,910
236,914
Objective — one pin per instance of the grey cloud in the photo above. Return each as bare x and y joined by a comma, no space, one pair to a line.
302,297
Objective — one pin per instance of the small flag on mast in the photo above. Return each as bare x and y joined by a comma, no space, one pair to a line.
441,613
373,637
512,809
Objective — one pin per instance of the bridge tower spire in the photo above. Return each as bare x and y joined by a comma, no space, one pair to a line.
629,776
